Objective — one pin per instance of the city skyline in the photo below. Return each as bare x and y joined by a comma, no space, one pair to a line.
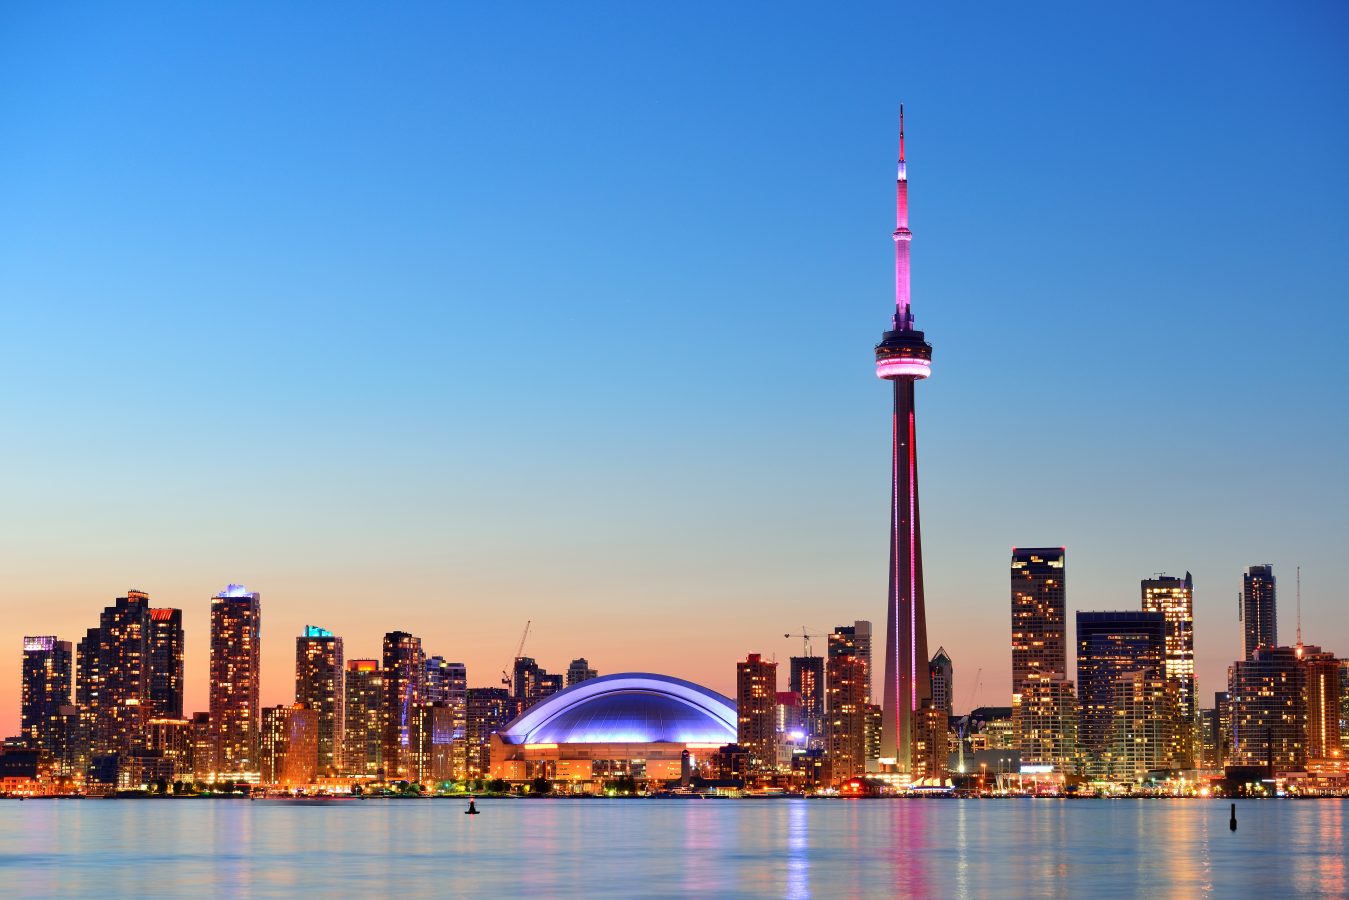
340,424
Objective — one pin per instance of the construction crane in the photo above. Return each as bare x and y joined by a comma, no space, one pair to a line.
805,639
506,679
963,727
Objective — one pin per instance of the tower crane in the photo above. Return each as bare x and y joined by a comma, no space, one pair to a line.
506,678
805,639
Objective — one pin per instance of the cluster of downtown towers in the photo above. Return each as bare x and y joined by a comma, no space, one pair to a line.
406,716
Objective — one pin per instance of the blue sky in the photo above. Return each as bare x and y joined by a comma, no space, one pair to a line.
447,317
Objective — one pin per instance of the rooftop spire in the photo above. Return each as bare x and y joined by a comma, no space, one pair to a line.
901,132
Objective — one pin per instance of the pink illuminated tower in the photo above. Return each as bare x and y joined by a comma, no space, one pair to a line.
903,357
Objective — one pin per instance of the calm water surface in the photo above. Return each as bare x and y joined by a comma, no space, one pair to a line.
621,848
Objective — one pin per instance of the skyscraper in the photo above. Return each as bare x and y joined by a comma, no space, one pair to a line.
1039,599
47,676
580,671
363,740
806,680
288,745
236,647
404,689
1324,735
489,711
320,686
903,357
1174,598
447,683
166,663
1109,646
756,689
1268,701
1259,611
943,680
532,682
846,688
122,705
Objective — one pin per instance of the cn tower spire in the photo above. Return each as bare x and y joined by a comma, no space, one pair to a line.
902,235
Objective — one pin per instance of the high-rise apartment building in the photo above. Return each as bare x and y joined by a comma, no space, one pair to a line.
806,680
943,681
166,663
433,742
1044,717
1174,599
123,692
1259,609
1324,733
363,739
204,747
489,711
1109,646
1144,724
447,683
48,670
1268,702
288,746
1039,618
404,689
756,681
846,707
320,685
580,671
236,659
532,683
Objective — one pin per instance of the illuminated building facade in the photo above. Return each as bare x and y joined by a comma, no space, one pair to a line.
320,685
806,680
1324,734
489,711
1144,724
236,648
630,725
447,682
166,663
363,738
48,672
1268,702
943,680
580,671
846,709
205,762
172,739
1174,599
404,688
122,703
1259,609
903,357
756,681
1044,717
433,742
858,639
288,746
1109,645
1039,618
931,746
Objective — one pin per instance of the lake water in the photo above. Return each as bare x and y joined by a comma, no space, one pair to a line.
621,848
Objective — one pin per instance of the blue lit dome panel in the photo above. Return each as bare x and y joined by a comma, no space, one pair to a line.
630,708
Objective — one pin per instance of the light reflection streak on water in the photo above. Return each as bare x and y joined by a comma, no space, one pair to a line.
798,849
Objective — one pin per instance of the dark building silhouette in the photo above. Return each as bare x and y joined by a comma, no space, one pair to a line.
1259,609
166,663
1110,645
943,680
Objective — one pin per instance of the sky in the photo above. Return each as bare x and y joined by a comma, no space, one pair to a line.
449,317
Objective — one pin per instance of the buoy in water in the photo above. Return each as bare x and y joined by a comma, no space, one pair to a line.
1232,823
472,810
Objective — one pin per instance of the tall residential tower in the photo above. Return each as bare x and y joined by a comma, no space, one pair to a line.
903,357
236,657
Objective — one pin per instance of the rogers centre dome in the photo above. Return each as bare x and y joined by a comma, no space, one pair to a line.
632,724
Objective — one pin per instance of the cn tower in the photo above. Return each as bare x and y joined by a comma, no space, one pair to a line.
903,358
